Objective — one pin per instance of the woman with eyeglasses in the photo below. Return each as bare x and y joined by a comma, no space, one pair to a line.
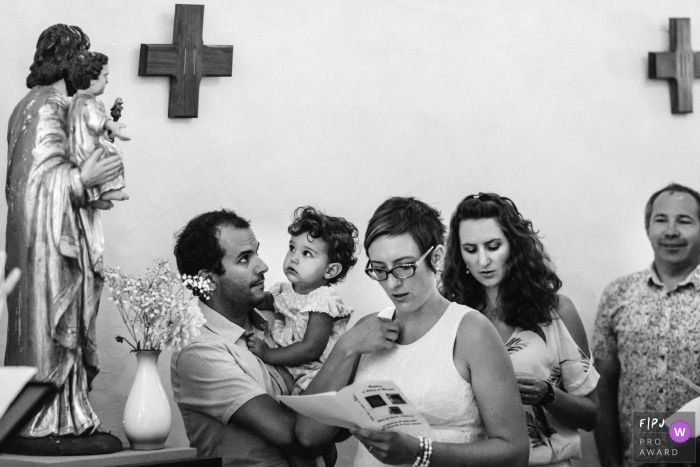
446,358
496,263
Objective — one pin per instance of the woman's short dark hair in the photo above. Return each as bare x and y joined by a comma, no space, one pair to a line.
197,244
400,215
339,234
84,67
56,47
528,292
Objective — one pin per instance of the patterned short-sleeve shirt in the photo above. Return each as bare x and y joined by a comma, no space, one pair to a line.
551,354
655,334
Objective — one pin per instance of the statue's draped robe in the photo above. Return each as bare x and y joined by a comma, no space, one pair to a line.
53,309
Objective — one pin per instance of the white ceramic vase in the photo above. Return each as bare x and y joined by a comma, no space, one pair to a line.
147,412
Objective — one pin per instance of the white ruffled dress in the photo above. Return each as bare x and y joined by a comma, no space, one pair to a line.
296,309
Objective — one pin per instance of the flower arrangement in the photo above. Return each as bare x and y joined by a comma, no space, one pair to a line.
199,286
157,309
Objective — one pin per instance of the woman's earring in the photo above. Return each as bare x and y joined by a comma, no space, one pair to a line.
467,271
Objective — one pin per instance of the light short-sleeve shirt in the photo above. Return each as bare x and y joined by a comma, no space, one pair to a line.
550,353
655,334
212,378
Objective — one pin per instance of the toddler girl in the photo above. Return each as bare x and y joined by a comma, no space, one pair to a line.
310,315
88,122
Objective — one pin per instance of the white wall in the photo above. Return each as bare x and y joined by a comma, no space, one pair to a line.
342,104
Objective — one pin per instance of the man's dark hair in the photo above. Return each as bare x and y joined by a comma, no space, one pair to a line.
340,236
399,215
85,67
56,47
672,188
197,244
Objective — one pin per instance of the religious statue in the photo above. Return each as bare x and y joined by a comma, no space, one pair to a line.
52,311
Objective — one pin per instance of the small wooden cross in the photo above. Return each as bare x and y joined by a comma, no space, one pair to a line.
679,66
186,61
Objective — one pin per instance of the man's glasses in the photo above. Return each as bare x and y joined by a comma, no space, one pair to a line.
402,271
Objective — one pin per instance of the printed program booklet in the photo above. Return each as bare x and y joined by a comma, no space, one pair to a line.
20,398
12,381
372,405
691,406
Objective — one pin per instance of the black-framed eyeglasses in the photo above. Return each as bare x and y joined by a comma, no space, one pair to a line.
402,271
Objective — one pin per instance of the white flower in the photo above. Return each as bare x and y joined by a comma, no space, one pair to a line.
186,325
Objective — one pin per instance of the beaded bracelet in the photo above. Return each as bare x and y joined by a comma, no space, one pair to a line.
426,450
419,458
427,453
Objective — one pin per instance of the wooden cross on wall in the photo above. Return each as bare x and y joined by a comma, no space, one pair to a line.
680,66
186,61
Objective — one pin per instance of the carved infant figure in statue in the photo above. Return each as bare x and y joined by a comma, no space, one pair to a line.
89,124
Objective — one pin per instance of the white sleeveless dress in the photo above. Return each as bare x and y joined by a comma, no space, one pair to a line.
425,372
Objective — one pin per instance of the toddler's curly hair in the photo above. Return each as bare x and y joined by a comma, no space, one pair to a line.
339,234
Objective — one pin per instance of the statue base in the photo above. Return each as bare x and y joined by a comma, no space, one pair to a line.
96,443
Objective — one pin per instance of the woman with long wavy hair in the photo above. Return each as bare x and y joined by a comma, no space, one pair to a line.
496,263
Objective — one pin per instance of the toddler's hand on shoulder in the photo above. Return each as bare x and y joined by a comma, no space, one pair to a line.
257,347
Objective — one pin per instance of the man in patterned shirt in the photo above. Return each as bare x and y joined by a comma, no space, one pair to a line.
648,326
